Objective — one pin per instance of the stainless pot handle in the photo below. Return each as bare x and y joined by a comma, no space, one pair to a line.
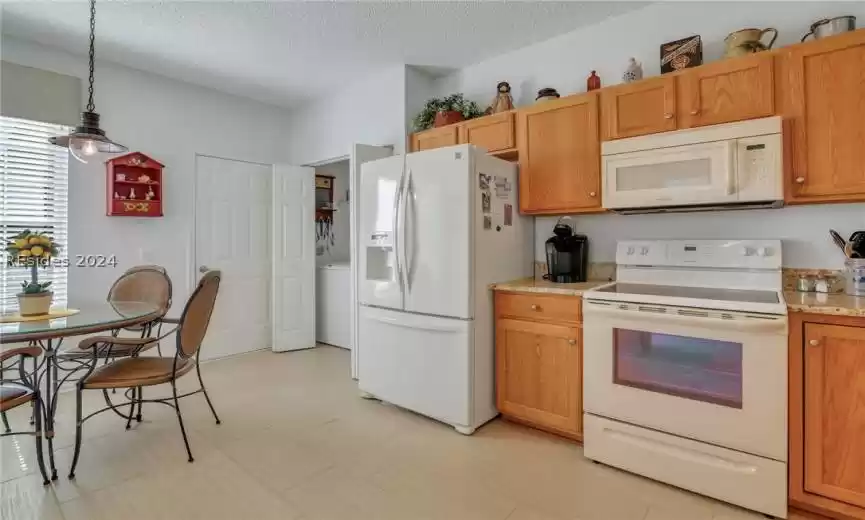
774,36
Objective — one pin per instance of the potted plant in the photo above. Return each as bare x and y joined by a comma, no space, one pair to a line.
32,250
446,111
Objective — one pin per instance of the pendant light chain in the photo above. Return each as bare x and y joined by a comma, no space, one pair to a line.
90,106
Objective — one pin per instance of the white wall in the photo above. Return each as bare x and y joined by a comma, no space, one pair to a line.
368,111
565,61
419,87
170,121
340,251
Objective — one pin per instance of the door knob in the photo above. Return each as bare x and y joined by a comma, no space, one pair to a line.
668,116
800,180
695,111
534,307
592,194
572,342
203,269
814,342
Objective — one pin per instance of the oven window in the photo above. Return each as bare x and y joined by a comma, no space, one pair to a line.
694,368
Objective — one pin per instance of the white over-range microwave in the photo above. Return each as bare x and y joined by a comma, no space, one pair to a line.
729,166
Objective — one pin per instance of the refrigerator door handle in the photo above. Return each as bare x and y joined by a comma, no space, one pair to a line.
408,231
397,199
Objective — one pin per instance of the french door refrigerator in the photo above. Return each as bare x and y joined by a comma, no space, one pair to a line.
436,228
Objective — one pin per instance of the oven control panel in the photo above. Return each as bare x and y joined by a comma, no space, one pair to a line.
731,254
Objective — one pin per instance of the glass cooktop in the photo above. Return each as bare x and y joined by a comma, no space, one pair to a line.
702,293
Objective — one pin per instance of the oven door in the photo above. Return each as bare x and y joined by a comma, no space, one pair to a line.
714,376
672,176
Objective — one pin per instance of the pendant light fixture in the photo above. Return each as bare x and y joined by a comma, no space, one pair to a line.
88,139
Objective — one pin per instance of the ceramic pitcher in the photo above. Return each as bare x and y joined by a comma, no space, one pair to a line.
748,41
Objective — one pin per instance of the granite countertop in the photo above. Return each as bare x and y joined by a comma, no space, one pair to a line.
822,303
532,285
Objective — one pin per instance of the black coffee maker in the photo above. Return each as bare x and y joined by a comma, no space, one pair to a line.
567,255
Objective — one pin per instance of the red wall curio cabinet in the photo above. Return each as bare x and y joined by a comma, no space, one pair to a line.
134,186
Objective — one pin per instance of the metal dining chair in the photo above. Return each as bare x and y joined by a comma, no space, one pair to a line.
137,372
143,283
22,390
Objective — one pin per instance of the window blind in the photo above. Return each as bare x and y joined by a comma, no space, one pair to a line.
34,194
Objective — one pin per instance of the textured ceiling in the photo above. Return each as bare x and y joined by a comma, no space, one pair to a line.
288,52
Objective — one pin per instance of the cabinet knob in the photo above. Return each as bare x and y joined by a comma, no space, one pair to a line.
695,111
572,342
668,116
814,342
535,307
592,194
800,180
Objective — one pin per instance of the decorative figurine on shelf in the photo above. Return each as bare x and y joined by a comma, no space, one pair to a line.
593,82
116,195
149,195
143,178
547,94
123,197
503,100
132,194
120,177
634,72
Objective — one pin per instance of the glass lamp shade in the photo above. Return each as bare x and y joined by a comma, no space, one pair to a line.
88,139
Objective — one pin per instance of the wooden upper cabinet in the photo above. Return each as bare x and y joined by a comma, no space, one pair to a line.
538,374
434,138
725,91
644,107
822,84
560,156
493,133
834,412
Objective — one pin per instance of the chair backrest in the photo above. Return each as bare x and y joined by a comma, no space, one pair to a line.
143,283
196,315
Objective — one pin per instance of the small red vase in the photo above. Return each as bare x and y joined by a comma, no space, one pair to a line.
593,82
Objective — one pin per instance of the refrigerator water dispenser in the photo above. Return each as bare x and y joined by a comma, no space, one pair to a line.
380,263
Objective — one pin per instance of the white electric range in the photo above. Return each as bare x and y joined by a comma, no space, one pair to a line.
685,368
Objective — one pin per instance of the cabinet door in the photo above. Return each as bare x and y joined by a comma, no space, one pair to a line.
834,414
435,138
493,133
824,102
730,90
644,107
560,156
539,374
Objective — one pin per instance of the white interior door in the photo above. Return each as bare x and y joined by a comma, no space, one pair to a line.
232,234
294,257
360,153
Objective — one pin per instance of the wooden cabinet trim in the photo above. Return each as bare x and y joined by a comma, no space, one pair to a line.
443,136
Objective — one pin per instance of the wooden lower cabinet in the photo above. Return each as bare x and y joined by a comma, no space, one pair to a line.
539,370
827,415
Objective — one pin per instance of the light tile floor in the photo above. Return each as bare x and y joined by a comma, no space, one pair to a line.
297,442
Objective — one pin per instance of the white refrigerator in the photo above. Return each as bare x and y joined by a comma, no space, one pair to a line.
436,228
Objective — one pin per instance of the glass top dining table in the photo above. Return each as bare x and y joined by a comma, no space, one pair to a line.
92,318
